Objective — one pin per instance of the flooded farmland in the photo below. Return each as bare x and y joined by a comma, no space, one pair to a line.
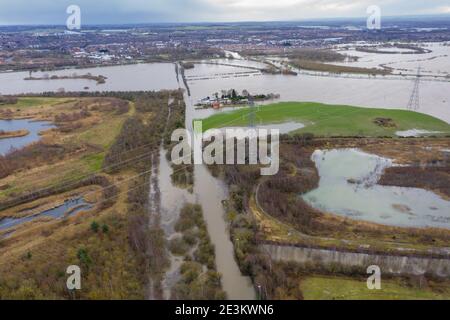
133,77
348,187
400,206
365,92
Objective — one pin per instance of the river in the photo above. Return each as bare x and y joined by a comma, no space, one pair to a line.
210,192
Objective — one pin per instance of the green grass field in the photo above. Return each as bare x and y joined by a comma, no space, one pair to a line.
331,288
331,120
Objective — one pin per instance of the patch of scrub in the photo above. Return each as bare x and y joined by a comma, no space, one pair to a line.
348,188
415,133
69,208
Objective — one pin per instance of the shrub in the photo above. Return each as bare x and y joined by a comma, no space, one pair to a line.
95,226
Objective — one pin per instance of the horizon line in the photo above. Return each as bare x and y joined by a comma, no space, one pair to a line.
363,18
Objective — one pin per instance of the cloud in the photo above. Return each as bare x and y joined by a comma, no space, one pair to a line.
136,11
445,9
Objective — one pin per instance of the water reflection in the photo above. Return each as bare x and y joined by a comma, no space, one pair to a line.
209,193
135,77
69,208
374,93
34,127
348,188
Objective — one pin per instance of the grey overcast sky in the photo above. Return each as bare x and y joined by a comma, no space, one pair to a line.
142,11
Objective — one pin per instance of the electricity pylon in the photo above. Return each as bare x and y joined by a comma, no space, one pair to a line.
414,100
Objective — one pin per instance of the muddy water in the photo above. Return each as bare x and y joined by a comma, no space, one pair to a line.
348,187
172,201
209,193
71,207
436,62
135,77
376,93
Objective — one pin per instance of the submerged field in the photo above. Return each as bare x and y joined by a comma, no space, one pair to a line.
332,120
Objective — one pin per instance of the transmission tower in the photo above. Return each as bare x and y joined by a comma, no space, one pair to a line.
414,100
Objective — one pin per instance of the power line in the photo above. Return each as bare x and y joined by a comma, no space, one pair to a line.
72,181
118,155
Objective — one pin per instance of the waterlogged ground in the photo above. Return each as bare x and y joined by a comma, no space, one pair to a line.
434,63
348,188
34,127
206,79
213,76
133,77
72,206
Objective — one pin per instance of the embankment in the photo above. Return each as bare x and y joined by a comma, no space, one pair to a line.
389,264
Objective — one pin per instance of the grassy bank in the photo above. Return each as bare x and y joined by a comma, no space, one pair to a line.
343,288
332,120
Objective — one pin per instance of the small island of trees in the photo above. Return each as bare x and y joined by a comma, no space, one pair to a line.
232,98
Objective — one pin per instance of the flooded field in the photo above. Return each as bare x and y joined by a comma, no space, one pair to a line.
434,63
216,75
209,193
172,200
348,187
34,127
373,92
70,208
134,77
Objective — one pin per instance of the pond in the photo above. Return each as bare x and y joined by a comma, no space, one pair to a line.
348,187
34,127
71,207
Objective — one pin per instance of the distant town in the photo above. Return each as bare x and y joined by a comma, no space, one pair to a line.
48,48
